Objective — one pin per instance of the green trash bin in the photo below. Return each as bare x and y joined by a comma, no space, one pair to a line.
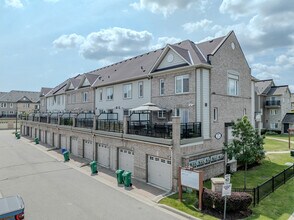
292,153
93,166
119,177
37,140
66,156
127,178
18,136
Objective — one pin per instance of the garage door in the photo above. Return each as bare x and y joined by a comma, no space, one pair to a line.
63,142
55,140
74,146
159,172
126,160
88,150
103,155
36,133
48,137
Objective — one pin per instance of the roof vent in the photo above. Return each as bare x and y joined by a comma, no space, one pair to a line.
115,70
210,41
108,77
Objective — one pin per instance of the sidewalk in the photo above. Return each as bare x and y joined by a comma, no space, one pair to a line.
278,139
139,188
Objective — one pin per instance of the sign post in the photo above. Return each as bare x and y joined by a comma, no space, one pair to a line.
192,179
226,191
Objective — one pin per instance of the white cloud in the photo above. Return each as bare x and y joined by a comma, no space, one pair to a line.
115,42
263,71
51,1
14,3
194,26
165,7
163,41
68,41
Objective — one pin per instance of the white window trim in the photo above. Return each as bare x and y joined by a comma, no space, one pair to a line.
100,95
233,76
128,97
160,88
85,96
161,114
140,84
215,114
108,98
182,77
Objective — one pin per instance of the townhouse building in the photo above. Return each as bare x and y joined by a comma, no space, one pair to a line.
292,101
18,101
198,89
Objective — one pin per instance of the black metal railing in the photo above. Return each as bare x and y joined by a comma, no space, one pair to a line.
8,116
273,103
66,121
263,190
43,119
151,130
190,130
109,125
53,120
84,122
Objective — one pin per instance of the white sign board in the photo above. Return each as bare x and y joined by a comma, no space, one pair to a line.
227,179
190,179
227,189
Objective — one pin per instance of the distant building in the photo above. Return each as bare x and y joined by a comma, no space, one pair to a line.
18,101
292,101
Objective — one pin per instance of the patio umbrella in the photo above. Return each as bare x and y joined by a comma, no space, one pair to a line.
147,107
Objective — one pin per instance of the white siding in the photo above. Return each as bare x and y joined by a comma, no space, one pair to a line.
177,60
118,104
198,96
206,105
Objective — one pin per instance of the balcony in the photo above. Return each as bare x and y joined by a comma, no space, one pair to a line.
273,104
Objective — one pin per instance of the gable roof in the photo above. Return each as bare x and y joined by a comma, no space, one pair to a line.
88,76
2,94
16,96
45,91
278,90
289,118
262,87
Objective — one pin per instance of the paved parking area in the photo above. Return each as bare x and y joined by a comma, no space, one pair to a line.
53,189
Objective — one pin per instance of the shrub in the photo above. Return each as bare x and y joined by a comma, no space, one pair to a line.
238,201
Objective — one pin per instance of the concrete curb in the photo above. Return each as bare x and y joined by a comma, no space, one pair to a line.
178,212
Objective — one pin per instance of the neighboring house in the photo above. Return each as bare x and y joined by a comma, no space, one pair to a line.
288,122
18,101
292,101
43,102
207,84
55,99
79,94
277,104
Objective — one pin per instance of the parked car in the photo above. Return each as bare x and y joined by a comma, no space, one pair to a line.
11,208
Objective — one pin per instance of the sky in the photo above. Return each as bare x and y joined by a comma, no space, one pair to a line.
45,42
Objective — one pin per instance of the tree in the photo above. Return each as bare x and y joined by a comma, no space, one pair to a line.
247,145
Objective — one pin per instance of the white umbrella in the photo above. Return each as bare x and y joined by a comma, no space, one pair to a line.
147,107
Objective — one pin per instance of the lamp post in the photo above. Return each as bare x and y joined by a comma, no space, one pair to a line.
16,118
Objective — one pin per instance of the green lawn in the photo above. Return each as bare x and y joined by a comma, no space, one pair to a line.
273,145
281,136
278,205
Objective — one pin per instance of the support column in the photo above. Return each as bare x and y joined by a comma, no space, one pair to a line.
176,151
95,122
126,124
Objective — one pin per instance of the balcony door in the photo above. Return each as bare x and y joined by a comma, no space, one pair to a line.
183,113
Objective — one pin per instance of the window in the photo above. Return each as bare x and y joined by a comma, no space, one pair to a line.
274,125
233,84
73,98
85,96
140,89
273,111
183,113
11,112
182,84
109,93
100,95
215,114
162,114
127,91
11,105
126,111
244,112
161,87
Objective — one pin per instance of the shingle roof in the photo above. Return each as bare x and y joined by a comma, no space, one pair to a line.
45,91
262,87
208,47
16,96
289,118
2,94
277,90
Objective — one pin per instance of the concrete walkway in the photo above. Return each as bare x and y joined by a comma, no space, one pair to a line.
278,139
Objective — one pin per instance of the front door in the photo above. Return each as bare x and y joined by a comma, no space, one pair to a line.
286,127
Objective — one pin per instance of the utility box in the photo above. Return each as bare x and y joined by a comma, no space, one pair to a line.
217,184
127,178
119,176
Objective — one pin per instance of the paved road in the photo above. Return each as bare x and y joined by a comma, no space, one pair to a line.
54,191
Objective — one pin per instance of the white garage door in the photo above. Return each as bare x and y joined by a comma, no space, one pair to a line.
126,160
103,155
159,172
88,150
63,142
55,141
48,138
36,133
74,146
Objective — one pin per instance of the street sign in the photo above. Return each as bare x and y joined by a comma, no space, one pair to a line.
227,189
227,179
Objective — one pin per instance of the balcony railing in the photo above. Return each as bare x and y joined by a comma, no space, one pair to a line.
66,121
273,103
190,130
109,125
84,122
53,120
